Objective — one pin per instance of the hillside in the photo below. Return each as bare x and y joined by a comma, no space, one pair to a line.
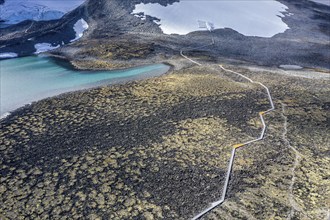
162,147
112,25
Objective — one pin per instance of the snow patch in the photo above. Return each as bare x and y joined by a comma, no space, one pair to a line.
79,27
43,47
5,115
251,18
141,16
291,67
8,55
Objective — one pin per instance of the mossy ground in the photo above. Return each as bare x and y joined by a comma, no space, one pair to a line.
104,55
159,148
265,171
150,149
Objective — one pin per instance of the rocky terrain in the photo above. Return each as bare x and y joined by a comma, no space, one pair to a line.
111,23
159,148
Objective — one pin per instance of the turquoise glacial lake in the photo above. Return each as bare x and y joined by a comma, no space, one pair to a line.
29,79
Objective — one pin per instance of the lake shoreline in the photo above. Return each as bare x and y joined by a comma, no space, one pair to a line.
121,149
120,80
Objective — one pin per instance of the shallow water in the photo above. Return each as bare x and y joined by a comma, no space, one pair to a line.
28,79
249,17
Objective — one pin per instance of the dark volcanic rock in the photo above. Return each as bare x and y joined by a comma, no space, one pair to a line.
306,43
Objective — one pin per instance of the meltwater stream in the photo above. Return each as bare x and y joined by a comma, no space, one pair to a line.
28,79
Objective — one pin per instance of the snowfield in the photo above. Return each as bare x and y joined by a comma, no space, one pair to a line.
251,18
15,11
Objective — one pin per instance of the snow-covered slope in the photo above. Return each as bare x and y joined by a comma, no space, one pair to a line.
251,18
15,11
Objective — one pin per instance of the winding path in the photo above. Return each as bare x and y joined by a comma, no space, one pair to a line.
239,145
298,157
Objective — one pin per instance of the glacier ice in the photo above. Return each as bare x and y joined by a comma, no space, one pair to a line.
15,11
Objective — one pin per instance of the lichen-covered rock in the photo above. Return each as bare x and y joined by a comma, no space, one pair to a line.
158,149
